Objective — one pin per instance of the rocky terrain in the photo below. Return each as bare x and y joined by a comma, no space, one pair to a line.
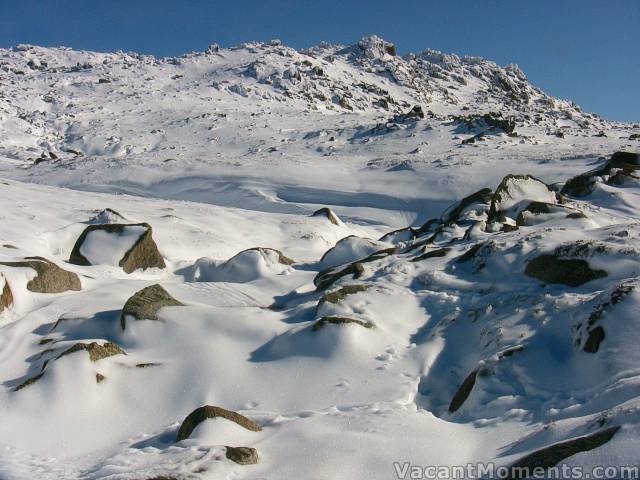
259,262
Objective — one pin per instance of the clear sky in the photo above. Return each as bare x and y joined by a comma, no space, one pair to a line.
584,50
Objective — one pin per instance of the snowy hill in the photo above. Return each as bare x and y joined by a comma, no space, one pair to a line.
165,245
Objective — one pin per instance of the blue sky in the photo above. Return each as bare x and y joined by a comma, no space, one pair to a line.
584,50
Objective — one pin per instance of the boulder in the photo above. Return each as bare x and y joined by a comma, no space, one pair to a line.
129,246
146,303
242,455
551,268
49,278
327,213
550,456
324,321
6,296
514,193
201,414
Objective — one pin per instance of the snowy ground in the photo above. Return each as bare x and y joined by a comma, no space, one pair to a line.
219,160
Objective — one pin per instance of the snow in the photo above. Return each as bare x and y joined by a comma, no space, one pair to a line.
226,151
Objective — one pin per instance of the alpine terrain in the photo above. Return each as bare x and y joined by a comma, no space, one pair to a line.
334,263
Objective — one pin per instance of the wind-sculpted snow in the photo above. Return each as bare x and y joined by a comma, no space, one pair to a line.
493,321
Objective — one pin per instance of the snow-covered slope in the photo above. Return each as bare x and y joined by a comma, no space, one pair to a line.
483,329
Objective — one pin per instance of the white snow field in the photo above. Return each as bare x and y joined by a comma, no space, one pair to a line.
503,331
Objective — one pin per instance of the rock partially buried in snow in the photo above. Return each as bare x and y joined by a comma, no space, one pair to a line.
514,193
585,184
350,249
550,456
337,295
6,296
95,350
567,271
246,266
146,303
242,455
129,246
455,212
463,392
329,214
205,412
328,277
49,278
324,321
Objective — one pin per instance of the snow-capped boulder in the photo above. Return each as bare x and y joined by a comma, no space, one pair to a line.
350,249
146,303
327,213
6,296
476,201
245,266
129,246
205,412
49,277
515,192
